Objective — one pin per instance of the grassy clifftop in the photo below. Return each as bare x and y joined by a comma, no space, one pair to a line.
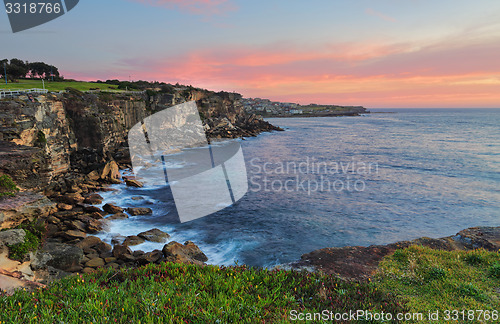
412,281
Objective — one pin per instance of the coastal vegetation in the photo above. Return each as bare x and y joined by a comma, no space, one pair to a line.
7,186
436,280
414,280
181,293
34,235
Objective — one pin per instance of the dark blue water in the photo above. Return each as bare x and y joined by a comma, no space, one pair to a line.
328,182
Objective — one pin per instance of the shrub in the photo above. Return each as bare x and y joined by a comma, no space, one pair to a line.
41,140
494,270
34,234
20,251
473,258
7,186
470,290
435,273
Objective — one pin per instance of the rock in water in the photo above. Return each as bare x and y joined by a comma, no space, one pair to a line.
117,216
139,211
154,235
112,209
133,240
134,183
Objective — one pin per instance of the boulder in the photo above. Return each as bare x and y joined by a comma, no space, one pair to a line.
154,235
40,260
133,240
76,225
25,206
94,199
63,206
91,209
103,248
63,256
94,263
123,252
111,171
112,209
94,225
94,175
13,236
187,253
150,257
118,239
89,242
134,183
110,259
117,216
135,211
73,235
53,220
72,198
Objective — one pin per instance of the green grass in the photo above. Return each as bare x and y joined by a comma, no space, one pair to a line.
440,280
179,293
58,86
413,280
7,186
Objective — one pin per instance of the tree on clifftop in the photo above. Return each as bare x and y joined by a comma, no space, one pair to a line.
19,69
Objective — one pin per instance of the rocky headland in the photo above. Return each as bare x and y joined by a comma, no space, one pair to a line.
360,262
60,149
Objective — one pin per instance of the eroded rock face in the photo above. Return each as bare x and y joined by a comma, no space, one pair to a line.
25,206
42,124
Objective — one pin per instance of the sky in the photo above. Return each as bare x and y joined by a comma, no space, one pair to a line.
374,53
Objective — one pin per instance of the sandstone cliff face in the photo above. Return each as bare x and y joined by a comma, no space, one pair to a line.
43,135
78,131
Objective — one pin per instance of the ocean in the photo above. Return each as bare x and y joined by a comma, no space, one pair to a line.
339,181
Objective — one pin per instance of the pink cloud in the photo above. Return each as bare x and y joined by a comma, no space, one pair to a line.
446,74
198,7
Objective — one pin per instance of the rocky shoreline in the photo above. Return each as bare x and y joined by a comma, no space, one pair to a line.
70,217
359,263
61,150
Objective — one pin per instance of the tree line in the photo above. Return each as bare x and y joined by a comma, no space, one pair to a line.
19,69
